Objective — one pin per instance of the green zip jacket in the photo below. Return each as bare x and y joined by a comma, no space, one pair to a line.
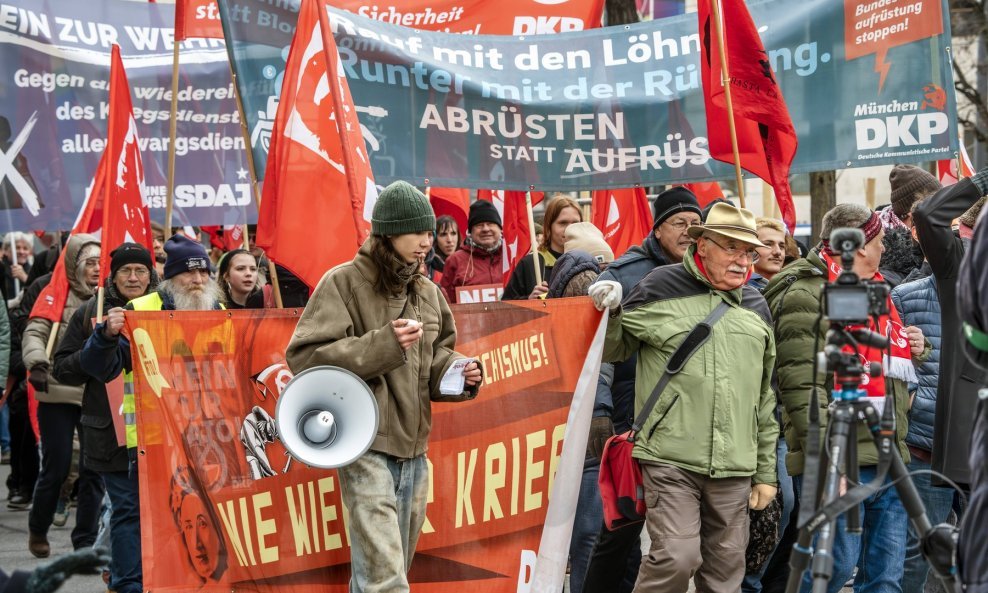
716,417
794,297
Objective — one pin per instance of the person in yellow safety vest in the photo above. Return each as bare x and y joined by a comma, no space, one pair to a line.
106,354
131,276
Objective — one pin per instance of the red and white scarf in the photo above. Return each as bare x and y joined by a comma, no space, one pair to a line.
897,366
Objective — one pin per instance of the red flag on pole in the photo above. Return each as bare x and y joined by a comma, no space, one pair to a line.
197,19
51,300
947,169
453,202
705,191
765,134
319,190
125,215
516,239
623,215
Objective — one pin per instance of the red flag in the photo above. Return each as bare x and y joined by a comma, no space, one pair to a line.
125,203
227,237
516,238
197,19
765,134
705,191
453,202
947,169
623,215
52,298
315,175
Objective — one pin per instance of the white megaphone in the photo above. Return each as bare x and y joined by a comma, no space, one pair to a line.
326,417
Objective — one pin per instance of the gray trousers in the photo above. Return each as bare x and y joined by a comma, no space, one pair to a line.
699,529
386,497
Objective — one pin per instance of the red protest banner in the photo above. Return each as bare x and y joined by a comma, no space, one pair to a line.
223,506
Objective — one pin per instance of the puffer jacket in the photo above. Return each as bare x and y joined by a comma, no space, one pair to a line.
918,304
628,270
794,296
716,417
347,323
36,333
469,266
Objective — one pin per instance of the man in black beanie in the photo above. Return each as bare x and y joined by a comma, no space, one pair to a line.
131,276
478,261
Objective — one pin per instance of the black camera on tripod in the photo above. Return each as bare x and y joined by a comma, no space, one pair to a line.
849,304
848,300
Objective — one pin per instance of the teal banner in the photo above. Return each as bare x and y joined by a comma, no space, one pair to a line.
866,83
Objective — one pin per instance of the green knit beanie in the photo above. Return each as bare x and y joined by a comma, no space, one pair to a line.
402,209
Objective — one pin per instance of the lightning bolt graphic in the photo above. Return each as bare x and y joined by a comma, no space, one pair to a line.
882,67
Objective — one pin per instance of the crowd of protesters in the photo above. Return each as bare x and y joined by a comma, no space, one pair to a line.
722,452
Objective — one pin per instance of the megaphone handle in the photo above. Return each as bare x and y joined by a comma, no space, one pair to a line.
288,464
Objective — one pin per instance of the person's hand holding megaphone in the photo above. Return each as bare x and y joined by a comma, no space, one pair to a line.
408,331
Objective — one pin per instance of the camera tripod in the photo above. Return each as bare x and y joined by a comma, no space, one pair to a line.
850,404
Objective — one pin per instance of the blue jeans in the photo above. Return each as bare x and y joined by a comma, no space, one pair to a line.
879,551
938,502
125,530
752,582
586,525
387,497
5,428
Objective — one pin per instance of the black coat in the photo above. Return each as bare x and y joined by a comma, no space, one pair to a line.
100,448
522,281
972,302
957,392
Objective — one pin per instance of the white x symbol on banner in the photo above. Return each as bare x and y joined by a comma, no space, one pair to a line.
9,171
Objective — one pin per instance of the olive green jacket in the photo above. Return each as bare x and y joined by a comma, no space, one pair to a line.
347,324
794,297
716,417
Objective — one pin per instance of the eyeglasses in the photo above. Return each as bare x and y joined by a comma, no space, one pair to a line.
751,254
139,272
92,262
681,225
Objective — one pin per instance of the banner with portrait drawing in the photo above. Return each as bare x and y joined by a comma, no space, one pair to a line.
223,507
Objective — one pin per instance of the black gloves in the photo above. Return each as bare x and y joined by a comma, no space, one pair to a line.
601,429
38,377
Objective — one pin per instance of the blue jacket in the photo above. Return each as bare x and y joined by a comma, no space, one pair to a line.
628,270
918,303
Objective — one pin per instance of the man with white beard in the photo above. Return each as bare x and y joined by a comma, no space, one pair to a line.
186,285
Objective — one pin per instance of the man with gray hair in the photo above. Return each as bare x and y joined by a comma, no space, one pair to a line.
794,296
707,447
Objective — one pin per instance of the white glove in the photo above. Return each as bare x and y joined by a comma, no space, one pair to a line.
606,294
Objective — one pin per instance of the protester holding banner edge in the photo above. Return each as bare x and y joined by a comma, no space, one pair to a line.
132,275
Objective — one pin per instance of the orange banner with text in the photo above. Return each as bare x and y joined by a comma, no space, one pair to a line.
224,507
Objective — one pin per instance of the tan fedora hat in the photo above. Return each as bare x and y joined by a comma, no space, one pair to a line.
729,221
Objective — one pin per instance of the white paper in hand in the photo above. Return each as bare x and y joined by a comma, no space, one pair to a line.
454,380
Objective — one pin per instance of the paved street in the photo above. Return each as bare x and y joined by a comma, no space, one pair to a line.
13,545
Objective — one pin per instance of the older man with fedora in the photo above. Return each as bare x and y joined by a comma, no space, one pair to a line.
707,449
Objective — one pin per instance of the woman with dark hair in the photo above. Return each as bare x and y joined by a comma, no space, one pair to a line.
378,318
561,212
238,279
447,236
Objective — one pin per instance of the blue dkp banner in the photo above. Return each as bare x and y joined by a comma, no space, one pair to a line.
618,106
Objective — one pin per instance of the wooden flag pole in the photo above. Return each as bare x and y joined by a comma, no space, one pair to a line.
725,79
172,133
531,236
13,259
272,271
51,339
246,237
